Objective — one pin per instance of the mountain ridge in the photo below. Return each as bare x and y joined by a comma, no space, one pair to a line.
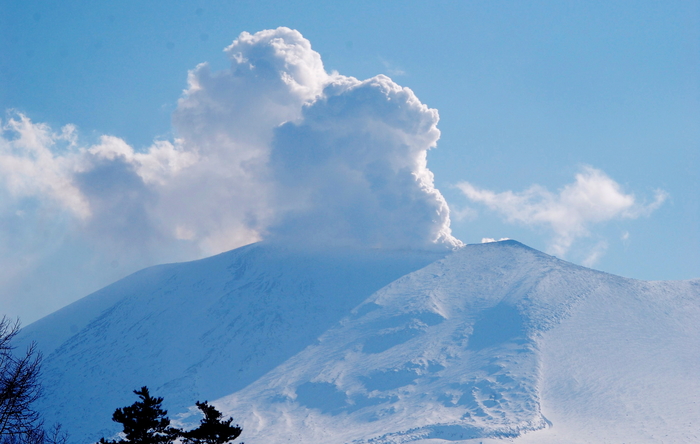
356,345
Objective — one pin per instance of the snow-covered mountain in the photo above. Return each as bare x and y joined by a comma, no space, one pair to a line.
490,343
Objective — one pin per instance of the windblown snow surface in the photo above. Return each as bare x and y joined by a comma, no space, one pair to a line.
491,343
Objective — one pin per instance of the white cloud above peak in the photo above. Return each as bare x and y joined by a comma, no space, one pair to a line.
353,169
307,155
570,213
273,146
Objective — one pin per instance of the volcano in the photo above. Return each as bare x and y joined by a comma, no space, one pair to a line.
488,343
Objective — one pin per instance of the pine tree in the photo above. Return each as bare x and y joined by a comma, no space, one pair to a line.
213,429
144,422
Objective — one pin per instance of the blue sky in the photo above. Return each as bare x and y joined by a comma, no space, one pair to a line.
528,93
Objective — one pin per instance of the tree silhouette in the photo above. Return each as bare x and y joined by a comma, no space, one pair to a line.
55,435
144,422
213,429
19,385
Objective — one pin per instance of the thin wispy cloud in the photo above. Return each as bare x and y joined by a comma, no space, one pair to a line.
595,253
569,214
489,240
392,69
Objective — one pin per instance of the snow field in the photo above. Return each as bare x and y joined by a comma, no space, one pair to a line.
491,343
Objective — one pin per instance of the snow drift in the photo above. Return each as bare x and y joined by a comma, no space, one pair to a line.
491,342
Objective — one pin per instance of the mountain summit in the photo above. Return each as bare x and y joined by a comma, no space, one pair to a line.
492,342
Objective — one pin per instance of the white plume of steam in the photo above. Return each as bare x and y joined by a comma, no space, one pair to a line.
272,147
353,169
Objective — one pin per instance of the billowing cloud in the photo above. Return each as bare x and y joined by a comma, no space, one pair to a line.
74,217
273,147
29,166
353,169
306,155
592,199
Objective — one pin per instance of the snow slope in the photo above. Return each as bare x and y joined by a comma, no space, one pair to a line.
199,330
494,342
